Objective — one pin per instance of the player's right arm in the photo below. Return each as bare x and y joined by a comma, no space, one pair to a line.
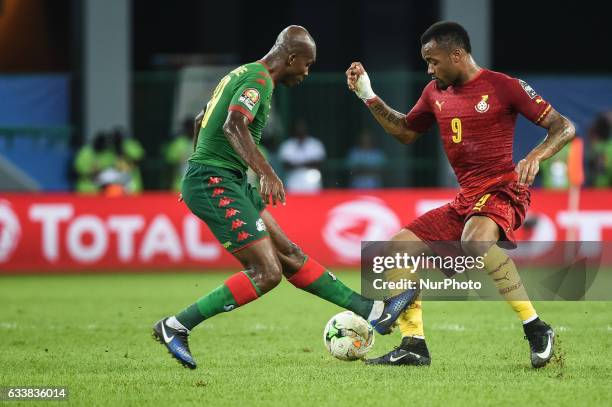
236,129
392,121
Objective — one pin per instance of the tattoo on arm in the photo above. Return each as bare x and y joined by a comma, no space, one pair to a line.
385,113
392,121
560,132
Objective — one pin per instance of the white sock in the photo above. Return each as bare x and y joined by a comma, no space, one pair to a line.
377,310
533,318
172,322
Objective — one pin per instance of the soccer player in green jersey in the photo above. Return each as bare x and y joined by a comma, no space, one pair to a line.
216,190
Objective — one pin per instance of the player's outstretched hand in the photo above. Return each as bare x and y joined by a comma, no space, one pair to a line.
527,169
271,188
358,81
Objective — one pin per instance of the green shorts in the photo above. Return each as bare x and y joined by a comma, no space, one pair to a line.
227,203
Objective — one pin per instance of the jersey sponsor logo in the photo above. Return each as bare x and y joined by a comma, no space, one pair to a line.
482,106
260,225
227,244
10,231
439,104
249,97
528,89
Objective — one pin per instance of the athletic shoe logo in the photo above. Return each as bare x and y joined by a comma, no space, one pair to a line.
546,353
166,338
387,317
10,231
395,359
228,307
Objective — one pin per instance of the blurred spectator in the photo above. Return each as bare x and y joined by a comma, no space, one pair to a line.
600,151
564,169
366,162
178,151
301,156
109,165
91,160
129,154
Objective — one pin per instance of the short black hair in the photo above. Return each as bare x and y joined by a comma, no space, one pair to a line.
449,34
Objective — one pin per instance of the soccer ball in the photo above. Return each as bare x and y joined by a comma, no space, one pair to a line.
347,336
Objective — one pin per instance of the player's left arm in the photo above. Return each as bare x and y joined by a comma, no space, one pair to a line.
523,99
560,132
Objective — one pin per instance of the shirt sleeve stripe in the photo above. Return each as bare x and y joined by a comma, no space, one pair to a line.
238,108
544,113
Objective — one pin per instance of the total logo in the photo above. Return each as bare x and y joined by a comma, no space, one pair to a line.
363,219
89,238
10,231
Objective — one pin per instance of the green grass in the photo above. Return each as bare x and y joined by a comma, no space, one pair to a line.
92,334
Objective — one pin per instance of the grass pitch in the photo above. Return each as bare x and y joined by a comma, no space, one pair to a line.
91,333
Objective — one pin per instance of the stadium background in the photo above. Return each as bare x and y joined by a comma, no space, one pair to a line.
71,68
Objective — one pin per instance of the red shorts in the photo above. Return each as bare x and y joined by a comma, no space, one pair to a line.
505,204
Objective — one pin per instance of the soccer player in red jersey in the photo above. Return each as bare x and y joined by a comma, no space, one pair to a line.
476,110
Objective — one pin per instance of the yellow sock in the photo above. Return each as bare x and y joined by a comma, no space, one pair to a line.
410,321
502,270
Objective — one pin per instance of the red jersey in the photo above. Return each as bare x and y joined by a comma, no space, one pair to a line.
476,121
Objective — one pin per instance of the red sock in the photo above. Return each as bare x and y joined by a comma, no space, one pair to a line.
308,274
242,288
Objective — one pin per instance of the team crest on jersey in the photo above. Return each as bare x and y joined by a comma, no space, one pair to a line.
528,89
249,97
482,106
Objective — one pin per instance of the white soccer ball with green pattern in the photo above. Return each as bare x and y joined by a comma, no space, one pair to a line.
347,336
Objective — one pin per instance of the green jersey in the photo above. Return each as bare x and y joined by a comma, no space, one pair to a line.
246,89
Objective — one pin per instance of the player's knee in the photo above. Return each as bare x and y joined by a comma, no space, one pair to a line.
295,254
292,258
473,246
271,275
